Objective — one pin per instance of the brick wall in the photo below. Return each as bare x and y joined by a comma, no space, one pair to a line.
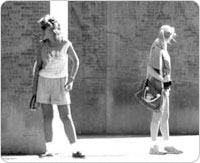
113,40
87,23
21,129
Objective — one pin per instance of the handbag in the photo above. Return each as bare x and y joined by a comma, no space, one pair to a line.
33,105
150,95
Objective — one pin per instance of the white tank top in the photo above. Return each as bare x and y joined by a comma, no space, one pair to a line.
158,58
55,61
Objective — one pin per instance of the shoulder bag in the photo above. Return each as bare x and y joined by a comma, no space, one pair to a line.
150,94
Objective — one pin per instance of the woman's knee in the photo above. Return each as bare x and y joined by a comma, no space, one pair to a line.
65,117
165,116
64,112
156,117
47,111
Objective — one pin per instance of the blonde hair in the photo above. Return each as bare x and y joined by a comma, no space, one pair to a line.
166,34
50,21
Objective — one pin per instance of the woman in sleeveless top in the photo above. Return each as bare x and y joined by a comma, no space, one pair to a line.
159,67
52,83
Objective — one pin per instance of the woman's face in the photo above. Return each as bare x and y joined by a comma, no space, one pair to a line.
47,33
167,35
169,38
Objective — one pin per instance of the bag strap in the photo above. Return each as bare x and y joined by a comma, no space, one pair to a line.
152,47
164,67
32,101
163,62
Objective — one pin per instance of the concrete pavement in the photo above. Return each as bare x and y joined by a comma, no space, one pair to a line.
112,149
117,149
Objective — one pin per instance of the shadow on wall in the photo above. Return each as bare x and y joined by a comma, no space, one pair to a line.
22,131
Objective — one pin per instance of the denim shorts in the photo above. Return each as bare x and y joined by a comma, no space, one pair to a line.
51,91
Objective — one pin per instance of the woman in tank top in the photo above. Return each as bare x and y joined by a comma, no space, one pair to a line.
159,68
52,83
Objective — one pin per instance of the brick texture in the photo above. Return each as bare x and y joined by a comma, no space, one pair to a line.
113,40
21,129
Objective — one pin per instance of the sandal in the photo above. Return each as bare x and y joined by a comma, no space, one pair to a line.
155,151
172,150
78,155
47,154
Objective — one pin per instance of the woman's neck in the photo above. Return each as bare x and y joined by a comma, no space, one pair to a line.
161,44
55,42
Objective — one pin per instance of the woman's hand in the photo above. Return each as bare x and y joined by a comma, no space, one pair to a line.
69,85
34,87
167,78
154,74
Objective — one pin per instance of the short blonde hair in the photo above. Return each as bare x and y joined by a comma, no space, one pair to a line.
167,33
49,21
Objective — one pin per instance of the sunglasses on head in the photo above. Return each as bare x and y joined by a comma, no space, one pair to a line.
44,25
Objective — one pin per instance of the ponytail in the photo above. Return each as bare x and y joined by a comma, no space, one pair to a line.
162,38
166,29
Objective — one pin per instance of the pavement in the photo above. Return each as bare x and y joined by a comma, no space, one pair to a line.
118,149
112,149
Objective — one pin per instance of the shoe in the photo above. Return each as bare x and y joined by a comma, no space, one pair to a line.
47,154
78,155
172,150
155,151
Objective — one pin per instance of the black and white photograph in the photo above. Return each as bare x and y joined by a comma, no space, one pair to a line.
99,81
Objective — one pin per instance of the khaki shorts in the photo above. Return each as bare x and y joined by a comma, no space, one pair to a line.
51,91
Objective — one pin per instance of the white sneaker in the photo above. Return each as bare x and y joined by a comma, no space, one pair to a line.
155,151
46,154
172,150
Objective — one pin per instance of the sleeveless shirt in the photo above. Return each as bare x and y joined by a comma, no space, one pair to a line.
55,60
159,59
